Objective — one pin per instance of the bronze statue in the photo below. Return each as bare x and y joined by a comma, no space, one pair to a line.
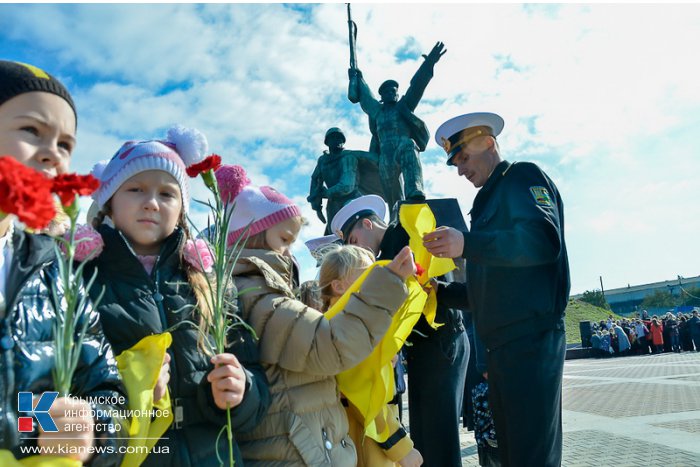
398,135
340,176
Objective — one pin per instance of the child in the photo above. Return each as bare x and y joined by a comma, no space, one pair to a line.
149,289
37,128
300,350
341,267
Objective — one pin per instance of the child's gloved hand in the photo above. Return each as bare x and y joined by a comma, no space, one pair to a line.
163,379
227,380
76,429
402,265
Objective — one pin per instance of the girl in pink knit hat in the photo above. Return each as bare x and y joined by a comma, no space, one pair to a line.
300,350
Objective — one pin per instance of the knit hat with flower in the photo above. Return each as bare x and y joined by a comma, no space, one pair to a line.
181,148
260,206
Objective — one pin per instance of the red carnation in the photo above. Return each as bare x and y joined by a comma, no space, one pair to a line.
66,186
212,162
419,270
25,193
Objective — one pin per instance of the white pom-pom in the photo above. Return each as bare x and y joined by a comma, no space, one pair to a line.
190,143
99,169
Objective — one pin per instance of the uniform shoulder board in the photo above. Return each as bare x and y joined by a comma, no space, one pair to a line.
541,195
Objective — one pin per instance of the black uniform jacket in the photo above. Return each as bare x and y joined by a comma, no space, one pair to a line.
27,350
135,305
517,267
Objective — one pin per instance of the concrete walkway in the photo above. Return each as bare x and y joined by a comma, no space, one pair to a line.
627,411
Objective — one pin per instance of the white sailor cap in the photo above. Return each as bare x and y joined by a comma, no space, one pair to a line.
458,131
315,245
359,208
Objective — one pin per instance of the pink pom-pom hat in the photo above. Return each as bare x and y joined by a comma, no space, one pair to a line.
261,207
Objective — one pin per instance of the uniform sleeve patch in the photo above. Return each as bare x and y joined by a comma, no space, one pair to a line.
541,196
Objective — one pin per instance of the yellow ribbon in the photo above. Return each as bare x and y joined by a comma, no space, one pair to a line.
418,220
140,367
370,384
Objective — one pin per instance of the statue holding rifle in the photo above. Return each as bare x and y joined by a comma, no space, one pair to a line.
398,135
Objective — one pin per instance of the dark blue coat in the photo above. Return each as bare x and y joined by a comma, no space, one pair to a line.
27,347
517,266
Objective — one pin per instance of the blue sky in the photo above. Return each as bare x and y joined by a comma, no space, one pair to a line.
603,97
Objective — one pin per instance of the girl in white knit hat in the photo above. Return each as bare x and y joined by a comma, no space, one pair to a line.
301,350
153,283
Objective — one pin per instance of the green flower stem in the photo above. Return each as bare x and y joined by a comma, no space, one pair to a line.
70,311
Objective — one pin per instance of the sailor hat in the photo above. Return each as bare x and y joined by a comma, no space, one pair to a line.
357,209
455,133
316,245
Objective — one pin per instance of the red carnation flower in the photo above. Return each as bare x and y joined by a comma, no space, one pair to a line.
212,162
25,193
419,270
66,186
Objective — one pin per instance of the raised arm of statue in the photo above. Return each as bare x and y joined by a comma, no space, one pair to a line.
423,76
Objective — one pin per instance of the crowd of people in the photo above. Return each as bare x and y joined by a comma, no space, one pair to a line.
274,380
642,335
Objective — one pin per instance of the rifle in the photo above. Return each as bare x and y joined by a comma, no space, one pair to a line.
353,91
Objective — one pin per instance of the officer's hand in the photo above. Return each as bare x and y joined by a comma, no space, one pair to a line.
76,429
227,380
163,379
352,72
444,242
435,54
402,265
412,459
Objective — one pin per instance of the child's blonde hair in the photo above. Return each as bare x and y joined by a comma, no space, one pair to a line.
338,262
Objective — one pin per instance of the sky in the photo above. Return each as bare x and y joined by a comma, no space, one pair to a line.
605,98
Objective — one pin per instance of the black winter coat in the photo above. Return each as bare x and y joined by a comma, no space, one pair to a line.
135,305
27,350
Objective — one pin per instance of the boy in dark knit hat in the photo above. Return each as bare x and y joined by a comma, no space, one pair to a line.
37,128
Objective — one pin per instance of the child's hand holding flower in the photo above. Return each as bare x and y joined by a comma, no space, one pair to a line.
227,380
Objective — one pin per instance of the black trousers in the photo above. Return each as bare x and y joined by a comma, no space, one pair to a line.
525,383
437,368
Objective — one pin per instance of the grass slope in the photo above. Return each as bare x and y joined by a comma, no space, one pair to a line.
578,311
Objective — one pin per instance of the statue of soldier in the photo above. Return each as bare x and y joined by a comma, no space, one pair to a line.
341,175
398,135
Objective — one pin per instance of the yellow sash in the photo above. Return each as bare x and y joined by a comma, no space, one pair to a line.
370,385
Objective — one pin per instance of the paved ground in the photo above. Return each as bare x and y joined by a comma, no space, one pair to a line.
627,411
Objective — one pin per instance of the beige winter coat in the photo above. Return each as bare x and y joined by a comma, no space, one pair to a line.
302,352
